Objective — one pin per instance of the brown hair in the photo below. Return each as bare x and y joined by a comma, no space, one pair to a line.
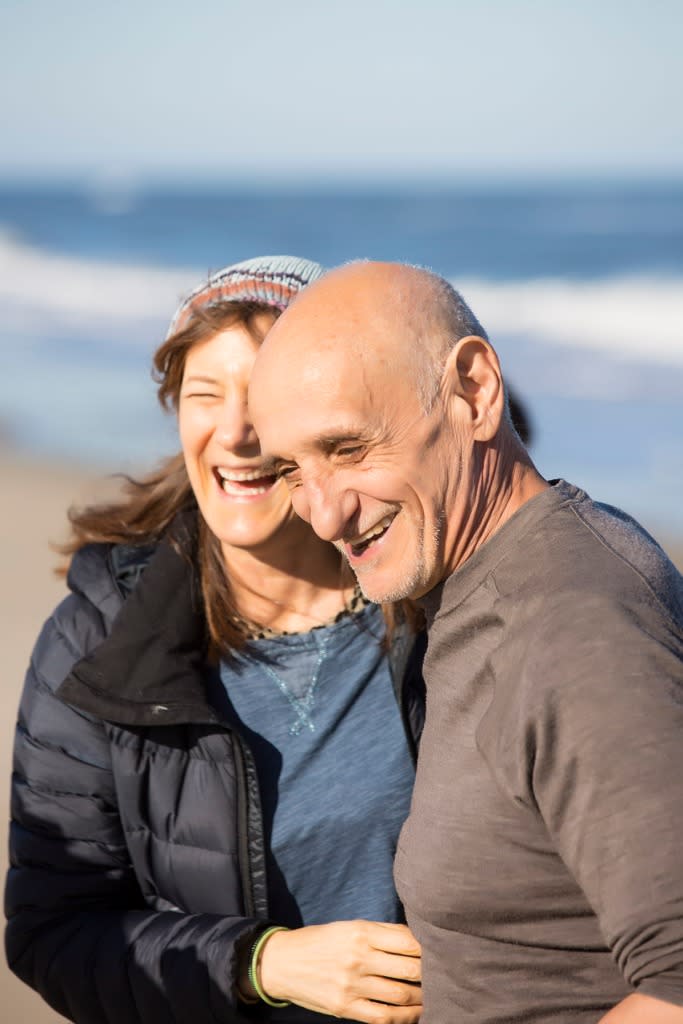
148,506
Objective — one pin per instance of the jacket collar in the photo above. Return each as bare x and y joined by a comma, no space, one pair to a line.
150,669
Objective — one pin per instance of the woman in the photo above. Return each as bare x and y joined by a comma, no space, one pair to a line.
215,744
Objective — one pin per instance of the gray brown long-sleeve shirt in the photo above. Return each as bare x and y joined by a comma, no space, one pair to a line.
541,866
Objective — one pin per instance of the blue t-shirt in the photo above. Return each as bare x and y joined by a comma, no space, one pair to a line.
320,715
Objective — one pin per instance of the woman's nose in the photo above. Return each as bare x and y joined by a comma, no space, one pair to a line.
234,429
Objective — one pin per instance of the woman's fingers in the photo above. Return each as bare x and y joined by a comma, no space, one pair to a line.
392,965
392,938
390,990
359,970
381,1013
395,952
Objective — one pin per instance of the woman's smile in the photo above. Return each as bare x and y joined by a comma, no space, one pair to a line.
245,484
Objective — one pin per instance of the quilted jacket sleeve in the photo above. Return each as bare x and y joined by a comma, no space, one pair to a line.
78,930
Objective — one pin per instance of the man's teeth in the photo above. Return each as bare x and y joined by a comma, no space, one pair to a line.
374,531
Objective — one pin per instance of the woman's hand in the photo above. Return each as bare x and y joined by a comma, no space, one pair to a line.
360,970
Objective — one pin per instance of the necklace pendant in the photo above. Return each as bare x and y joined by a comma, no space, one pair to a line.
301,704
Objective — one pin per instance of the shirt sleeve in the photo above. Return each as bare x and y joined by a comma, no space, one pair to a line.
600,721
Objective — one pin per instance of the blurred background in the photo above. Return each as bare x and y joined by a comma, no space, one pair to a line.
530,152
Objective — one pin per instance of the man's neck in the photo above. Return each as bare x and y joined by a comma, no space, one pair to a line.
502,480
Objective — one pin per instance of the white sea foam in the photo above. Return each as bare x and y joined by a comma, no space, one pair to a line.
630,318
43,289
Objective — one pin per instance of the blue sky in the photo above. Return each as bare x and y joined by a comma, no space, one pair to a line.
340,89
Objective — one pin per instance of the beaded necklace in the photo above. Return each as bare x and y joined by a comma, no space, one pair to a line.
256,631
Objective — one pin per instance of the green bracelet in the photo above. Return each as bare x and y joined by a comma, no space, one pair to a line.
254,964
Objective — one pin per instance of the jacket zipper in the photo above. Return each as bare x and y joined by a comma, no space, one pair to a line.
255,904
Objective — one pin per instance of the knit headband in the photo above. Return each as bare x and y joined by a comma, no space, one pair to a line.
272,280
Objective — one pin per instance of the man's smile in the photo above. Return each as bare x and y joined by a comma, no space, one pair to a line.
360,545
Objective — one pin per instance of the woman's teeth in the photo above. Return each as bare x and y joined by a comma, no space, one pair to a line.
238,482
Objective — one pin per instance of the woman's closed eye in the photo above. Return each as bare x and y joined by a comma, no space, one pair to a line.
199,385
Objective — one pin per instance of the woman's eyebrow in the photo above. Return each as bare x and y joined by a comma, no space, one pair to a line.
200,378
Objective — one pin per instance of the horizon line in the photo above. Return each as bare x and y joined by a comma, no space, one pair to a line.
287,182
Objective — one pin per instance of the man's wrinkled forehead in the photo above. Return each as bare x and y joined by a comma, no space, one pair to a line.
301,405
311,357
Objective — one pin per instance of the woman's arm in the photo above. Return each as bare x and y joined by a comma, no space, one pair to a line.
358,970
639,1009
79,931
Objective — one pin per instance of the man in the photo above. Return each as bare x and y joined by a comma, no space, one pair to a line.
541,864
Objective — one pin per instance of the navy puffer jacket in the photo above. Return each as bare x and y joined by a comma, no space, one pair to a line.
137,869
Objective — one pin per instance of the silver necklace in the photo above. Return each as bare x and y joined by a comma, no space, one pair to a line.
301,705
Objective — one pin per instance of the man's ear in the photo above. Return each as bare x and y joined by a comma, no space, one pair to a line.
472,373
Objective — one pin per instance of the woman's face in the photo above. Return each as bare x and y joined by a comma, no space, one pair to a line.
242,505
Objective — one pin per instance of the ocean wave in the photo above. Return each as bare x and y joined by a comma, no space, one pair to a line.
630,318
40,288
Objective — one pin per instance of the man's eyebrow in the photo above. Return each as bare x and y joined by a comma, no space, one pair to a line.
326,443
331,440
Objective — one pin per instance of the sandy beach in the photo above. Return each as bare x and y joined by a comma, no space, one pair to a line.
35,499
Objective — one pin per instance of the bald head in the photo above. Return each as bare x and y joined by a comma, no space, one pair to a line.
405,317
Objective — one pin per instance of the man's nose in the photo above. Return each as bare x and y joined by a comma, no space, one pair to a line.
324,504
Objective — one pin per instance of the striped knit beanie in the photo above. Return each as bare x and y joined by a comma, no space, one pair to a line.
272,280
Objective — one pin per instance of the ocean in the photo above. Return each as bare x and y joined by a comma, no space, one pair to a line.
580,288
